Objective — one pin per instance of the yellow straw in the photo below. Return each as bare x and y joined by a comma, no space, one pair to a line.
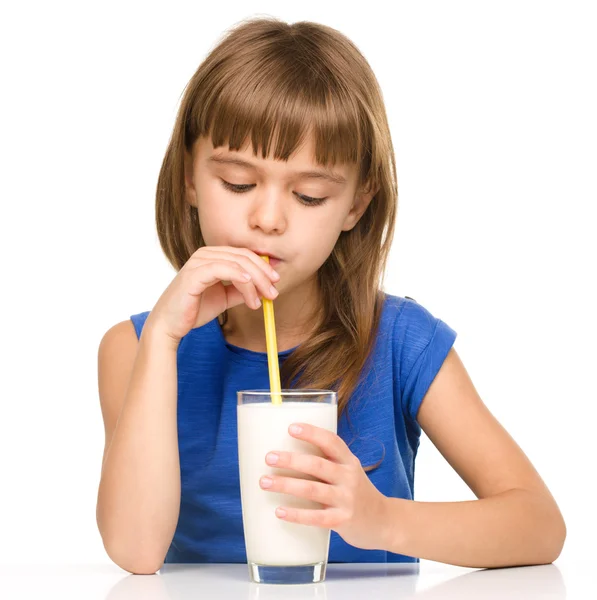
272,347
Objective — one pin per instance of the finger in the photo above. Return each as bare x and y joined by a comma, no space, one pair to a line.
323,517
332,445
236,293
232,253
258,259
261,277
309,464
210,273
234,297
301,488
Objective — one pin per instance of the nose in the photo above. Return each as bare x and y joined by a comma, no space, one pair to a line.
267,212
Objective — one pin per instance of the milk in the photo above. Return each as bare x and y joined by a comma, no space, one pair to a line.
262,428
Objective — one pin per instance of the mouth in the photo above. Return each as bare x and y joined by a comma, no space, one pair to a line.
273,260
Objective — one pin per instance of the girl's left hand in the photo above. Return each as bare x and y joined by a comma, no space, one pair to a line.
353,506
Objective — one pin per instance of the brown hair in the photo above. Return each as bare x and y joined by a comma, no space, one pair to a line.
268,77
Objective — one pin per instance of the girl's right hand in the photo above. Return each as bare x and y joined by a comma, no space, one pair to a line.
197,294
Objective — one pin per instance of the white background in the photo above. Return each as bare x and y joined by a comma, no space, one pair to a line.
492,113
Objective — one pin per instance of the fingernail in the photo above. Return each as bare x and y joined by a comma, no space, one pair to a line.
257,302
280,512
273,291
276,275
295,429
266,482
272,458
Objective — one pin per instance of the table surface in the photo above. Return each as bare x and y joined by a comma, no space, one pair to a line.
369,581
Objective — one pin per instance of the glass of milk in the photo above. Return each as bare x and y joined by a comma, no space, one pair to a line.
279,551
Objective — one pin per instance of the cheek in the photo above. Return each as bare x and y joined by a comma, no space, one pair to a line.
319,237
216,217
326,228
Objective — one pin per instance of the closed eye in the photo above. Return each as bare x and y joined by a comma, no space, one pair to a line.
245,187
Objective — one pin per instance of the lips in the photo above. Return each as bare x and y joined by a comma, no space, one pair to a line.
262,253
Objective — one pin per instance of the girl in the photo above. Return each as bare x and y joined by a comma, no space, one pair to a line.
281,147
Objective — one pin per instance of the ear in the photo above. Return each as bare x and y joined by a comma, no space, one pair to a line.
190,192
359,206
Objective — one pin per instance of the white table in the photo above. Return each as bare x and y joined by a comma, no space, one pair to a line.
362,581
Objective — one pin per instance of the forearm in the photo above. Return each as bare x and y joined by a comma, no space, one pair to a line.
139,492
516,527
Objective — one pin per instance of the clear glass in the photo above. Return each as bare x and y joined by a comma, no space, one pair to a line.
279,551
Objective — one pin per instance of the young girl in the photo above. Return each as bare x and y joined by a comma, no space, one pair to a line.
282,147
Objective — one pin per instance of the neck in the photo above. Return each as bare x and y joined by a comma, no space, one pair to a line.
294,312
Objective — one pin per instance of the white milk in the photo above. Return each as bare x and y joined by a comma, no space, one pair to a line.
262,428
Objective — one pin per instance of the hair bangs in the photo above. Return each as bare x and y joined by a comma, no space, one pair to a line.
277,113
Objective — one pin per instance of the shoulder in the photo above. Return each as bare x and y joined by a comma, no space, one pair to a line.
118,345
125,331
116,357
406,317
420,342
117,342
138,320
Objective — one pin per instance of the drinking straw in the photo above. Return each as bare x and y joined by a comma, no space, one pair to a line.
272,347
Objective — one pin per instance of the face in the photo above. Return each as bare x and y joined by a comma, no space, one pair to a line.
294,210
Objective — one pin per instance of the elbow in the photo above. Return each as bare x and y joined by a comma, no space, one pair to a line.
557,536
136,558
553,533
142,568
137,563
544,527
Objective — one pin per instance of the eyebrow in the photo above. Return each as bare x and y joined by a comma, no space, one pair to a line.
313,174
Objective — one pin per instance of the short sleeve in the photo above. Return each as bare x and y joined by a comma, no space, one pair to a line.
422,342
138,321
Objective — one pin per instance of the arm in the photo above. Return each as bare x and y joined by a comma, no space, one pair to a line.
515,520
139,492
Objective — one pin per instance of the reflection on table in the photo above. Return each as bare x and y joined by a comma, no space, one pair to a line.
346,581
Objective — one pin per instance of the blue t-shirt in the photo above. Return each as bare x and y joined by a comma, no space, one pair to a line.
409,350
